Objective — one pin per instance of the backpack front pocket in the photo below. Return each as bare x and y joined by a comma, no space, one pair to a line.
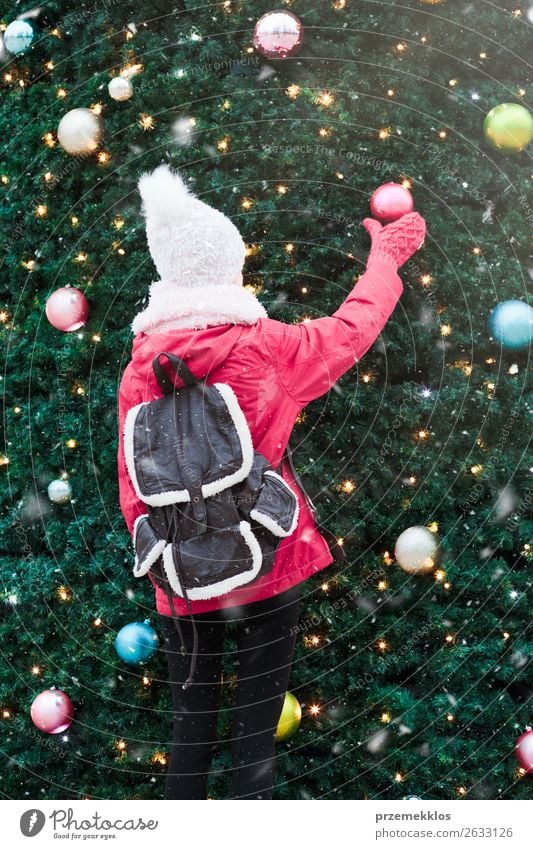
213,563
277,506
147,544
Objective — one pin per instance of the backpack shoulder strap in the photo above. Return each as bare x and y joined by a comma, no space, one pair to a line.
180,368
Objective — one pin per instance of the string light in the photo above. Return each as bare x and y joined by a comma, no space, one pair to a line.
401,47
147,122
452,82
461,791
49,65
506,635
339,4
426,279
447,585
96,337
61,93
368,377
121,745
347,486
49,139
64,594
29,264
5,179
311,640
226,105
423,434
97,108
440,574
293,91
146,681
17,410
324,132
398,777
450,717
159,758
97,622
477,469
71,443
340,541
324,587
4,315
247,203
4,461
449,638
390,92
445,329
81,257
103,157
304,290
483,55
118,223
384,133
387,559
382,585
325,98
41,210
526,551
223,144
443,134
411,479
314,710
385,716
6,714
36,670
282,190
382,645
55,32
289,248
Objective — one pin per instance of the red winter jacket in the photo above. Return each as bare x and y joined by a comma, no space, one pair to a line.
275,370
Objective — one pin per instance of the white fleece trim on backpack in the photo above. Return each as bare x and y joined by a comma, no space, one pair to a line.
267,521
221,587
176,496
141,569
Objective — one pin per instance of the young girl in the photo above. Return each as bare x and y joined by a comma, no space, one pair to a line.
200,311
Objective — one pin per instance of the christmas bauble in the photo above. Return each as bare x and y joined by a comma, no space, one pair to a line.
136,643
59,491
511,324
524,750
52,711
80,132
509,127
120,88
18,36
278,35
67,309
417,550
291,715
390,202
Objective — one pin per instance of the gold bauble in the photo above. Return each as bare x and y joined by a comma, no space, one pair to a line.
291,715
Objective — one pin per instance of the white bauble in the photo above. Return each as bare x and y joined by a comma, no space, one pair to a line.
59,491
80,131
18,36
417,550
120,88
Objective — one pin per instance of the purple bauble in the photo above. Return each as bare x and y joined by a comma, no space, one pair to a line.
67,309
390,202
52,711
278,35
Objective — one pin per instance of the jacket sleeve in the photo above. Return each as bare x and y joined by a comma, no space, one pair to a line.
130,504
311,356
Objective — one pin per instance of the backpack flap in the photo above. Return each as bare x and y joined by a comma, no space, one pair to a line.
147,544
195,438
277,506
214,563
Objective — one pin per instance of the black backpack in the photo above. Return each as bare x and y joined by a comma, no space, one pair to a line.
216,510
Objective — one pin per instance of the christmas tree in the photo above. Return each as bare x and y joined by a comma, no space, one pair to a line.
410,684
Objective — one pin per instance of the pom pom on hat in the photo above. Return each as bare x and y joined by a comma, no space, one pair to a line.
164,194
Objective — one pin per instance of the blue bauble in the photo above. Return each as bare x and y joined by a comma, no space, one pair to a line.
511,324
18,36
136,643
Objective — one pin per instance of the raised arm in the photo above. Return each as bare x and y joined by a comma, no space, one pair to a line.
312,355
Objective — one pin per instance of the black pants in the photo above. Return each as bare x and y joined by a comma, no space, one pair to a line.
265,636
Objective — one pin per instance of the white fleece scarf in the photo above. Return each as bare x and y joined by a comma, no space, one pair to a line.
172,307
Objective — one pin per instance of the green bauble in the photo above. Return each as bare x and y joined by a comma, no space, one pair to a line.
289,721
509,127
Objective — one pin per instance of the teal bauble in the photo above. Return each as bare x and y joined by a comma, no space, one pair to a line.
18,36
136,643
511,324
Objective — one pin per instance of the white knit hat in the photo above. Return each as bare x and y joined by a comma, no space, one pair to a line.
199,255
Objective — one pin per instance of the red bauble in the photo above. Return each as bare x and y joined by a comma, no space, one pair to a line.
523,750
52,711
390,202
67,309
278,35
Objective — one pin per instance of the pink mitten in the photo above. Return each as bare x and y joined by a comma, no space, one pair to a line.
396,242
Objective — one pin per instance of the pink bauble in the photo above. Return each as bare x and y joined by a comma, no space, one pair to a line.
390,202
52,711
67,309
278,35
524,751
